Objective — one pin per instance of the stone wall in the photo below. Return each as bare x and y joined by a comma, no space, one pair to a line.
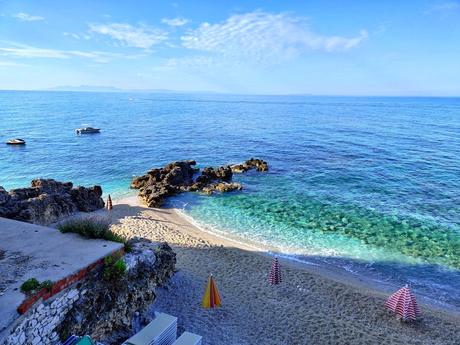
39,325
105,310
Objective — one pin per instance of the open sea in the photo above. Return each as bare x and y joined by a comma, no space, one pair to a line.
367,185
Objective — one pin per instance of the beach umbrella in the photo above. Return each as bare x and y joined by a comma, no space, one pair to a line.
211,298
274,277
403,304
109,203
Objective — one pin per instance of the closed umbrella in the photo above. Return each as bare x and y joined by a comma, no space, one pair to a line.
109,203
274,277
403,304
211,298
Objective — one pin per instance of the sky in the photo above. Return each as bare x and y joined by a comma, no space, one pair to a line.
394,48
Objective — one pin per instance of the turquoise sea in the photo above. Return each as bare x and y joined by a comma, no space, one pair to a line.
368,185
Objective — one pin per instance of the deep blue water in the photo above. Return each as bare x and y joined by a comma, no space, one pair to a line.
368,184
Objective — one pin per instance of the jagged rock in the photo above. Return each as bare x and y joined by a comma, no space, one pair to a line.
177,177
253,163
107,311
48,201
87,199
223,173
222,187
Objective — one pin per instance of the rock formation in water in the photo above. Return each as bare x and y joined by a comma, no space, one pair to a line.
253,163
48,201
178,177
108,310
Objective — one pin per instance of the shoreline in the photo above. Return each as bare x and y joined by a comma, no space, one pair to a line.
313,305
312,265
325,306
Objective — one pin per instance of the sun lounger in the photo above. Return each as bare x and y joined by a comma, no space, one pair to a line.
74,340
71,340
84,341
188,338
161,331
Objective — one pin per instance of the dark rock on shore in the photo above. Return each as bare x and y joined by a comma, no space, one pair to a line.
48,201
177,177
253,163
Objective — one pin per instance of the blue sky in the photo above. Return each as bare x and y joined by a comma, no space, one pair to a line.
259,47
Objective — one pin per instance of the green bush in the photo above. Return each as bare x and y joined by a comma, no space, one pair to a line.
91,228
114,268
33,284
30,285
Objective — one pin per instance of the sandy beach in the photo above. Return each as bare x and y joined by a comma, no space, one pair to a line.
309,307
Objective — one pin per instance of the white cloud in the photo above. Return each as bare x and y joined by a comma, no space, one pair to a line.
25,17
18,50
175,21
71,34
139,37
446,6
264,37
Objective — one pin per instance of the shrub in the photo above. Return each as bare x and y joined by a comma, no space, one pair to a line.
30,285
114,268
33,284
91,228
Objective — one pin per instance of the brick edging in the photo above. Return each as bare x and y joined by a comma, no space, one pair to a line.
63,283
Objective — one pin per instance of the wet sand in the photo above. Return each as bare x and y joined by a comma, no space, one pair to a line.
311,306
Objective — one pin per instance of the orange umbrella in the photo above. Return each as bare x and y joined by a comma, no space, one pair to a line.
109,203
211,298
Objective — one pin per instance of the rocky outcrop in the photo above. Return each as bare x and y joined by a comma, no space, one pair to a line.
253,163
177,177
107,310
48,201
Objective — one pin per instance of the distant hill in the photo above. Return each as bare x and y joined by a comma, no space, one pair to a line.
89,88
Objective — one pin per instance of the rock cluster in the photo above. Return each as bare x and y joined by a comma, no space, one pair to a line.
47,201
178,177
108,309
253,163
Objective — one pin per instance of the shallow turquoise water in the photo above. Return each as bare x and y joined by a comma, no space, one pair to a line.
368,184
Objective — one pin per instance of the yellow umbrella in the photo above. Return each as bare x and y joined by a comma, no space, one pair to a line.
211,298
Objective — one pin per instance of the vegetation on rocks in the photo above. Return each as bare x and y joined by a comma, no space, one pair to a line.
30,285
33,284
114,268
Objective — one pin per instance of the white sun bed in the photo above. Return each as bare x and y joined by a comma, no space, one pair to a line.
188,338
161,331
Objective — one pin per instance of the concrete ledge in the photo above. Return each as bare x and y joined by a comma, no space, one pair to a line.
33,251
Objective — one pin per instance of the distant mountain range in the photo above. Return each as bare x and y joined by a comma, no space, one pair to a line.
89,88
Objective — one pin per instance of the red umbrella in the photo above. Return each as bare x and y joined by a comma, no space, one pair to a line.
403,304
274,277
109,203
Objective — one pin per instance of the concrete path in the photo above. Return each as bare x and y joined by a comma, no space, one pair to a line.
33,251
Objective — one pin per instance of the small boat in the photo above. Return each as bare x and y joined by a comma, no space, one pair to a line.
16,141
87,130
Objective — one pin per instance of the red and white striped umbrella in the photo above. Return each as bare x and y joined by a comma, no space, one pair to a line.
274,277
403,304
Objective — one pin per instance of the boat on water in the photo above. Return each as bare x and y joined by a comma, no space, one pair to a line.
87,130
16,141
